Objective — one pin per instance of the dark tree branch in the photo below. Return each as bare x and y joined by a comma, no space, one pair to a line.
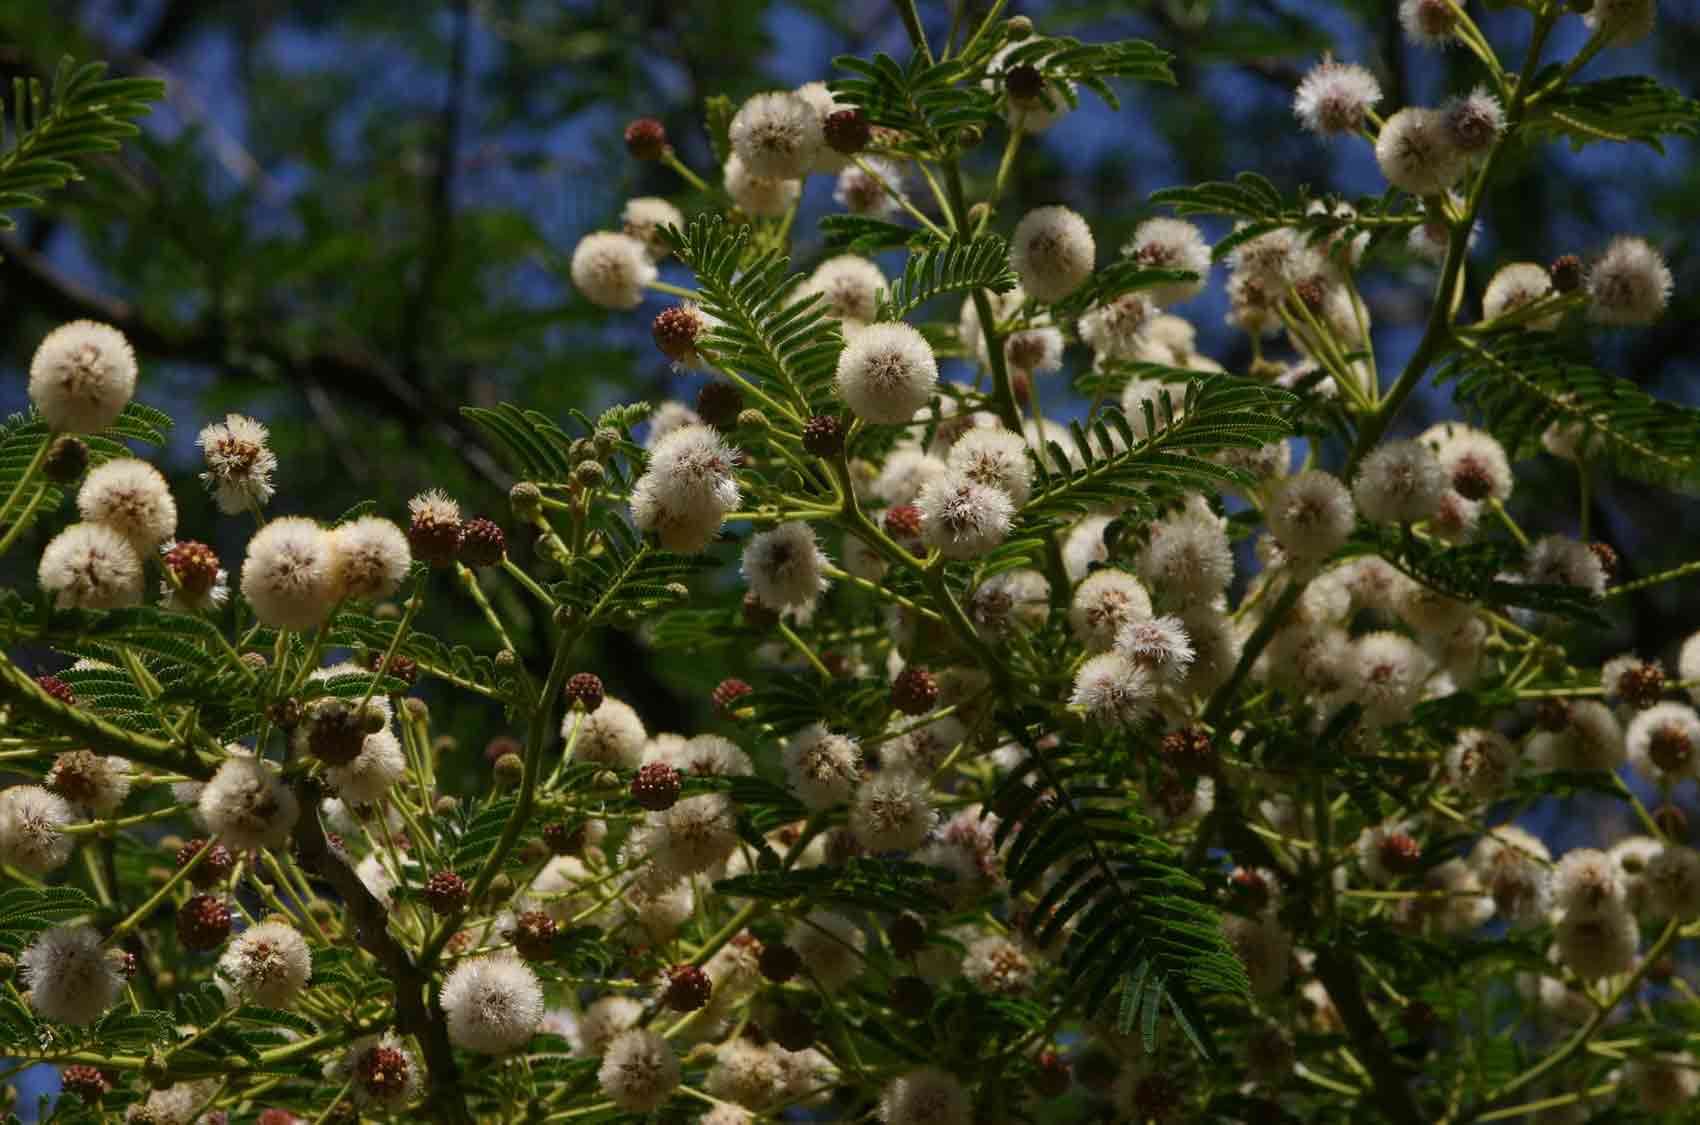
29,278
414,1014
1338,971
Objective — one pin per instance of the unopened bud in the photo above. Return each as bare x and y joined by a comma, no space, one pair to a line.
526,500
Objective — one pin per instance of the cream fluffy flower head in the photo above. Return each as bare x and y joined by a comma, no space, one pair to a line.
1335,98
925,1096
611,269
1629,284
32,823
91,566
687,489
1311,514
886,373
777,135
1416,153
1400,482
493,1004
82,376
639,1070
611,735
239,463
850,287
371,774
962,518
761,197
995,458
785,566
831,947
1113,690
247,804
269,962
71,976
1052,251
822,768
644,216
1171,244
892,811
371,558
1516,285
289,574
1103,603
132,498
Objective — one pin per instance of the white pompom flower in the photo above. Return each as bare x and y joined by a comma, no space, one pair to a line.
643,219
1114,690
1428,23
1052,251
372,558
1517,285
1335,98
830,946
1116,329
1388,676
82,376
91,566
1597,945
925,1096
372,772
892,811
1589,883
269,963
96,782
1400,482
1311,515
612,735
761,197
1672,882
492,1004
247,804
239,463
1188,560
1160,645
1664,743
1416,153
32,829
850,288
962,518
639,1070
611,269
886,373
687,489
132,498
866,189
693,835
995,458
1171,244
289,574
1629,284
72,977
777,135
822,768
1106,602
785,566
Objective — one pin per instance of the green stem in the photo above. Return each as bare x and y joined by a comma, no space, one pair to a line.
134,919
414,601
1587,1031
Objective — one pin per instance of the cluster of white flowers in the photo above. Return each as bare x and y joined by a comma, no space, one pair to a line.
974,635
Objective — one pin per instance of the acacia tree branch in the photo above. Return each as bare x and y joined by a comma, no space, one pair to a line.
31,279
414,1013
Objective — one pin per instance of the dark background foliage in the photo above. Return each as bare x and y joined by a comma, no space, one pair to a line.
352,216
